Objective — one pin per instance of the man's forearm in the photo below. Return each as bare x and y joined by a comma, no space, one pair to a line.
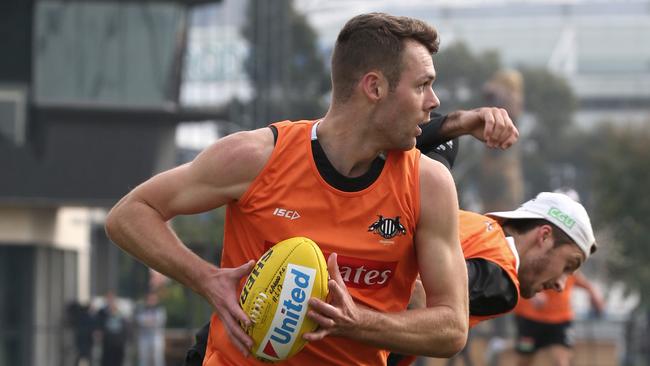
140,231
434,332
451,127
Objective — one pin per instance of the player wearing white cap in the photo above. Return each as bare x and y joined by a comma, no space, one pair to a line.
522,252
513,254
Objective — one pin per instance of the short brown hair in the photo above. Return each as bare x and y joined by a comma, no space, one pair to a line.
375,41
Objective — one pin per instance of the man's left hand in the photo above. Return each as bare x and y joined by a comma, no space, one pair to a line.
340,315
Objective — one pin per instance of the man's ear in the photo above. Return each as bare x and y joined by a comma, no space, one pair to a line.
545,236
374,85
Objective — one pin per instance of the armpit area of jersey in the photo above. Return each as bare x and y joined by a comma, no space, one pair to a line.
445,153
274,130
491,291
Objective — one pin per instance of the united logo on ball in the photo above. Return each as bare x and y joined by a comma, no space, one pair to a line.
275,297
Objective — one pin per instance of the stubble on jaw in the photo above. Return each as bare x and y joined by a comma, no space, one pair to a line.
527,278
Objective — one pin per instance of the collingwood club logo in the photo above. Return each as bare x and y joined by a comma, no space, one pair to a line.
386,227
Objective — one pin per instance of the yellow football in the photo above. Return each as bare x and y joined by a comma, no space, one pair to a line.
275,297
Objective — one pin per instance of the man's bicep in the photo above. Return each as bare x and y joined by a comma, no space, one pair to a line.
177,192
440,258
442,280
219,174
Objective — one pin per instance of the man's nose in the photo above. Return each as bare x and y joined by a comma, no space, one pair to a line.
560,283
433,102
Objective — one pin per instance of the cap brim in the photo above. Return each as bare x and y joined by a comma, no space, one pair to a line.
517,214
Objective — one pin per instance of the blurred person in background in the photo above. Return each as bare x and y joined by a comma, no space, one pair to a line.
150,319
549,236
544,322
113,328
82,321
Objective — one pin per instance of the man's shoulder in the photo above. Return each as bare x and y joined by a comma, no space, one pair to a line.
434,173
438,196
469,217
245,147
232,162
258,139
475,224
291,129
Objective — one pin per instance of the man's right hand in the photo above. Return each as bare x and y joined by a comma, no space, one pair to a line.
221,290
491,125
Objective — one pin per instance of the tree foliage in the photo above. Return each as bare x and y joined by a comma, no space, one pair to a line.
547,152
608,166
460,76
284,65
550,98
548,147
620,181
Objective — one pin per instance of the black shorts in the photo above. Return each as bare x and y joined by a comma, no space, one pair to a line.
533,336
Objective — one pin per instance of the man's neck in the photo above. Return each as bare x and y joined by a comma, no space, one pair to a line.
347,143
517,238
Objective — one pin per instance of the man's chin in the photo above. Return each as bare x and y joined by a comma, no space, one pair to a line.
527,293
411,145
406,145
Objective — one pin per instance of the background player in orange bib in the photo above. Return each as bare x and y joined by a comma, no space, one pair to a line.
498,269
544,322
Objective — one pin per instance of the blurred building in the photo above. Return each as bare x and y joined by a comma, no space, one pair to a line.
602,47
216,53
89,104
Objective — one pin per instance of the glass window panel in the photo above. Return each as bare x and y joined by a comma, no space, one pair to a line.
111,53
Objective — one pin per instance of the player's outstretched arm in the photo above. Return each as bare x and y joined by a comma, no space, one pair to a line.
488,124
440,329
139,222
597,301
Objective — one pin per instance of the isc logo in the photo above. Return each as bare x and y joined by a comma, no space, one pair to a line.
289,214
292,307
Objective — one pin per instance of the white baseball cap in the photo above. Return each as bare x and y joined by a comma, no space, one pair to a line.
559,209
